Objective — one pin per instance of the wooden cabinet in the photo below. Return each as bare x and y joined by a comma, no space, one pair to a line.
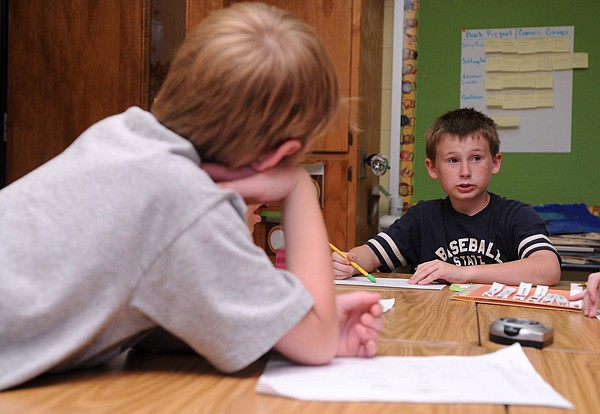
70,64
352,32
73,63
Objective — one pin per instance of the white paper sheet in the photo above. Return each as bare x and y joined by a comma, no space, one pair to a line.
387,282
502,377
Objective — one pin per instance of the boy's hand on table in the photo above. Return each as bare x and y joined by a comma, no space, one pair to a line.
436,270
590,296
359,316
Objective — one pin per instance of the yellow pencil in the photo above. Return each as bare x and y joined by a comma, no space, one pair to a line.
354,264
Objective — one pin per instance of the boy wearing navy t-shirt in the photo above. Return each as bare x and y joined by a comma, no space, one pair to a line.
472,235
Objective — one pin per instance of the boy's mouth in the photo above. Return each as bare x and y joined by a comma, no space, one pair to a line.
465,187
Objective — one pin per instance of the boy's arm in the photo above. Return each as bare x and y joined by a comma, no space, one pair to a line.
346,327
362,255
541,268
314,339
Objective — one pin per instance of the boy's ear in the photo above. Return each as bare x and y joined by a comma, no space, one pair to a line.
431,170
274,157
497,161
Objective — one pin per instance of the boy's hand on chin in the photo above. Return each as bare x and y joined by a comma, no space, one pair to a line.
220,173
275,184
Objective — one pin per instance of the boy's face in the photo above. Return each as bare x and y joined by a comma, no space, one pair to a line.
464,168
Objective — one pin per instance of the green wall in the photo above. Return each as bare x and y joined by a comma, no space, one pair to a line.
535,178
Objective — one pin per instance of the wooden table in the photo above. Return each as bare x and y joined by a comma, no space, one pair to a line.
571,364
426,315
422,323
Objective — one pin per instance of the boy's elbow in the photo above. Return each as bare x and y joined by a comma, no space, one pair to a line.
313,347
321,358
553,280
554,275
546,266
321,354
324,350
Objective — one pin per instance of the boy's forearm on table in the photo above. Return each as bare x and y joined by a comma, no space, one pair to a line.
307,250
365,258
539,270
308,257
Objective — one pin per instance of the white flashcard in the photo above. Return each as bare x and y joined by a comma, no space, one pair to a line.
506,292
576,288
540,292
561,300
495,288
523,291
549,298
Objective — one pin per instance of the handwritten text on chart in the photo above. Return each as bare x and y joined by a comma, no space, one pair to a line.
514,33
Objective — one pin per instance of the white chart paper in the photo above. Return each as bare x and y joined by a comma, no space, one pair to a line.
502,377
387,282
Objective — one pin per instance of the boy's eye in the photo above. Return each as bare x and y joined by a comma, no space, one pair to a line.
476,158
452,160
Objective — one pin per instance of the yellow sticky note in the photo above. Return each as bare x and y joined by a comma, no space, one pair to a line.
544,63
492,46
561,44
579,60
528,64
506,121
528,80
511,81
545,100
562,61
526,46
510,64
544,80
493,64
544,44
493,82
494,101
528,101
511,101
509,46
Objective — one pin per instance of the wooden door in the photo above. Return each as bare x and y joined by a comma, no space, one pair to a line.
70,64
367,46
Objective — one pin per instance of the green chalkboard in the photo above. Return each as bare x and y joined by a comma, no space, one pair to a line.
535,178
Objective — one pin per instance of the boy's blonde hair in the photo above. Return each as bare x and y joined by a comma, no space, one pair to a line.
246,79
462,123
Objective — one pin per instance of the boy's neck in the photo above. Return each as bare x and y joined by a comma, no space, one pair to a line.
471,207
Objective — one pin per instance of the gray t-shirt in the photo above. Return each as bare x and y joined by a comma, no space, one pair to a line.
121,233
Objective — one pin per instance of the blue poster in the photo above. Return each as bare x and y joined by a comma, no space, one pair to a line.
568,218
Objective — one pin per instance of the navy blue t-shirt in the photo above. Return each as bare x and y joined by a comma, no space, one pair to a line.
504,231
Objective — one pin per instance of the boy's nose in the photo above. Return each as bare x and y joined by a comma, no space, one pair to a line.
465,171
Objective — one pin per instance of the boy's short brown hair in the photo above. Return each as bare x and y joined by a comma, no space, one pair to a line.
462,123
246,79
